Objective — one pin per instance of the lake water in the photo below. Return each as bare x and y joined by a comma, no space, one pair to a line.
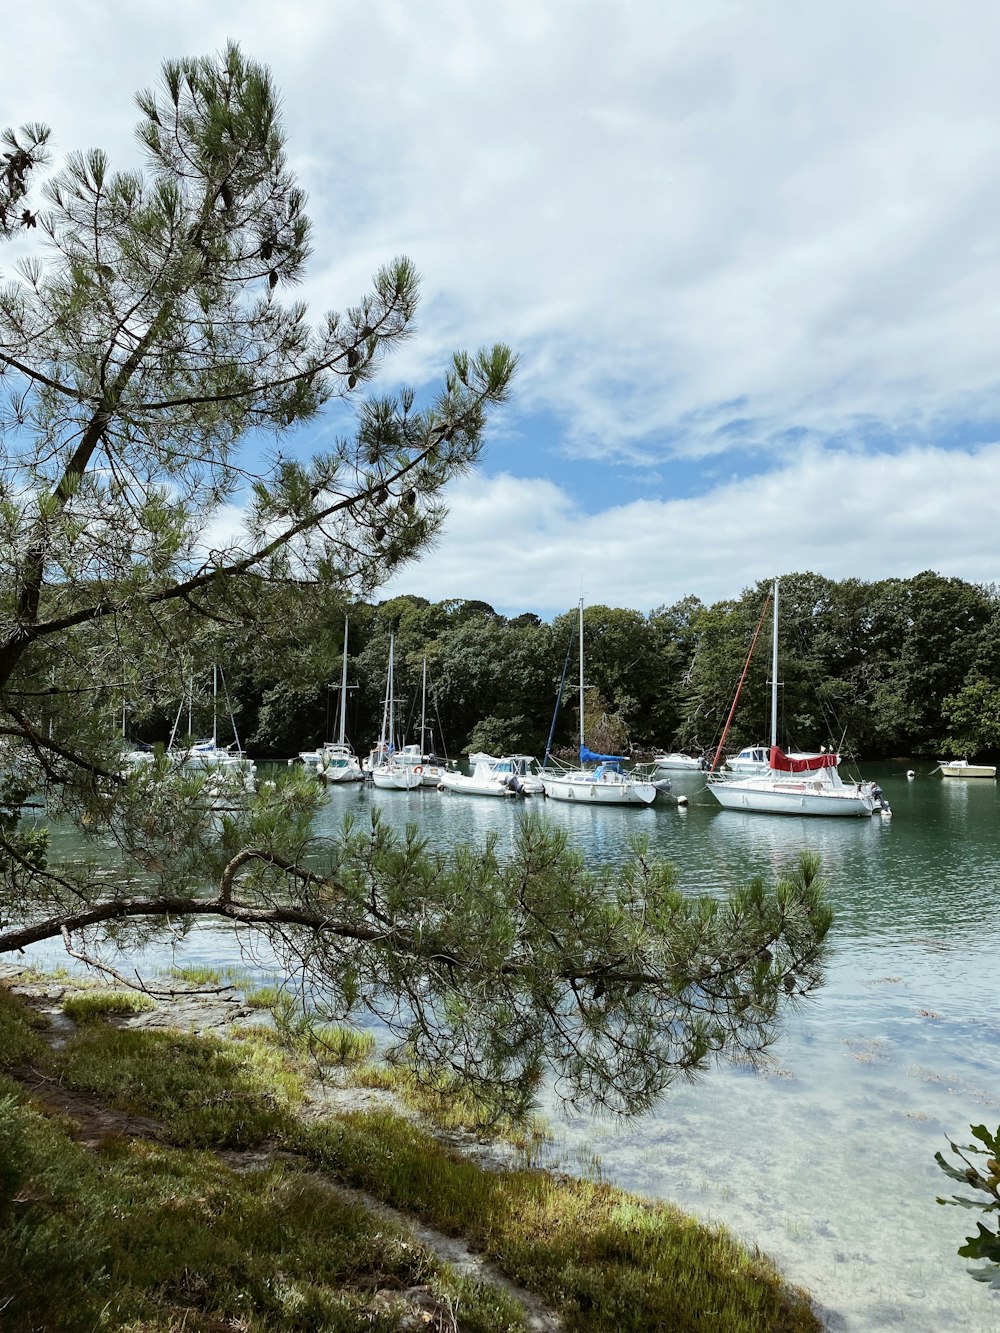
826,1160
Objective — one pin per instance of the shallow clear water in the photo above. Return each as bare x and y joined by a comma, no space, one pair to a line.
826,1161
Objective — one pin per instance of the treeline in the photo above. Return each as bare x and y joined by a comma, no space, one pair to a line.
893,666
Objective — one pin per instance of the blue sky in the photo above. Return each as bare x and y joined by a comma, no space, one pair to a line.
747,254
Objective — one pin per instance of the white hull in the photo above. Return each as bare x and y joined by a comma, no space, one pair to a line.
676,761
340,772
458,782
428,771
398,779
958,768
602,791
773,796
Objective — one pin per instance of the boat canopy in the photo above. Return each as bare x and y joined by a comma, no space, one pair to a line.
588,757
781,763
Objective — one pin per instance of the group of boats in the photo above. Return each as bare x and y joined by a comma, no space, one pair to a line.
759,778
229,773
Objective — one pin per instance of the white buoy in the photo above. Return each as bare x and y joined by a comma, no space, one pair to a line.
682,800
910,773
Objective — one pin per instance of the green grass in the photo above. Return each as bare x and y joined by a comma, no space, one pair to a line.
604,1258
143,1237
156,1238
91,1006
448,1105
20,1042
208,1092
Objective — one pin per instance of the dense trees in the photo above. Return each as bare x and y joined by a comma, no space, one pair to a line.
897,666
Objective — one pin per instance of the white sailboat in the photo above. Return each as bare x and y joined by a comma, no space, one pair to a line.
795,785
607,783
419,757
336,761
383,763
230,773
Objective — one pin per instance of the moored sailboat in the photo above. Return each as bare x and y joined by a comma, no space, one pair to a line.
806,784
607,783
383,762
336,761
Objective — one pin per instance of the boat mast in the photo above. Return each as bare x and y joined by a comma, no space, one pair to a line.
383,743
423,714
581,676
774,670
392,696
343,690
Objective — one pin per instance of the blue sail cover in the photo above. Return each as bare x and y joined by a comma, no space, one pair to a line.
588,757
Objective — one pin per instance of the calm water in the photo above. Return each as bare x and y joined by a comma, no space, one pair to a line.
826,1161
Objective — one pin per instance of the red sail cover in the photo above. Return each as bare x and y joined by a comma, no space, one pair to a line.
781,763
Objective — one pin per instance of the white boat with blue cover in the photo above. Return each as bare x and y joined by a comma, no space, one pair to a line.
608,782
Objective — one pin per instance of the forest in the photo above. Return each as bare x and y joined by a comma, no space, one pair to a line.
882,668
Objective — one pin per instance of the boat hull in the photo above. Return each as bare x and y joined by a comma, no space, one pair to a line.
458,782
956,770
793,798
340,772
588,791
396,779
677,761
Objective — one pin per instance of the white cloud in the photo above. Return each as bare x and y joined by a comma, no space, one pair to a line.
680,215
521,545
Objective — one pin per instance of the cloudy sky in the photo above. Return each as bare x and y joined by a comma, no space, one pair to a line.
748,255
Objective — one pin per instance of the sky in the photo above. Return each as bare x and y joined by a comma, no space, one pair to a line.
748,256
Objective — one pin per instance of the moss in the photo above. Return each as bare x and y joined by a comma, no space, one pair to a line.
603,1258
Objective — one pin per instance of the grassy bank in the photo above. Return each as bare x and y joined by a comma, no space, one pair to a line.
153,1180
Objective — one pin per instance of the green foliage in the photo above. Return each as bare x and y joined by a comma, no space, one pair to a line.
146,1236
972,717
144,348
20,1042
984,1179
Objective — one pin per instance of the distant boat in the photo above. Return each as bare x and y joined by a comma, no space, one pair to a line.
678,761
231,773
607,783
961,768
419,756
803,785
336,761
383,763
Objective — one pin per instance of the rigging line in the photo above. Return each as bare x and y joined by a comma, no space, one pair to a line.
828,710
437,715
559,695
739,687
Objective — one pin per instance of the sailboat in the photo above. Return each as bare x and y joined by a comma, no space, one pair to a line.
607,783
383,763
423,761
336,761
802,784
231,774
